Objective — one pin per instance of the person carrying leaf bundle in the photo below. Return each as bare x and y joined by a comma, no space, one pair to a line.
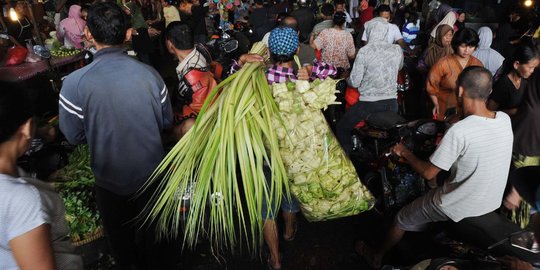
283,45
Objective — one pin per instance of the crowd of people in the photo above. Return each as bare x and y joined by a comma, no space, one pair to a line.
117,102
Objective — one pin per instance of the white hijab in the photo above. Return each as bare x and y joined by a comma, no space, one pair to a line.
449,19
491,59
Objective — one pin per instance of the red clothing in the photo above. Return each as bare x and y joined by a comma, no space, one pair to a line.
366,15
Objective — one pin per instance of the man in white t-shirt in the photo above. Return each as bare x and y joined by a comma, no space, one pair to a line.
476,150
394,34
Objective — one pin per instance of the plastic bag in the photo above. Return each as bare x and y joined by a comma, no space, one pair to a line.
321,176
16,56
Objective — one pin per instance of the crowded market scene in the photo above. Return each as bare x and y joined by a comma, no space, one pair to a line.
269,134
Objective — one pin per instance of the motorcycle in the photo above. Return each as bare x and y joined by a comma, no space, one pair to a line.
393,182
225,47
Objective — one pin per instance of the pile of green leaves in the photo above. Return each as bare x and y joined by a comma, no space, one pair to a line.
76,189
224,154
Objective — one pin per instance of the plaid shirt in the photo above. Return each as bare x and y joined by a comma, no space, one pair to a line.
278,74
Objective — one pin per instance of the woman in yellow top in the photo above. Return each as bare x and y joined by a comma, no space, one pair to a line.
441,82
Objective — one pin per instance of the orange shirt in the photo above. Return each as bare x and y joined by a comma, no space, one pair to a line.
442,81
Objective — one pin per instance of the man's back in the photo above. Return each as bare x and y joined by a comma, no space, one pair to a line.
259,21
306,20
478,151
119,106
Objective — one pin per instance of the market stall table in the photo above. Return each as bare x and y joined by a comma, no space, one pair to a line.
26,71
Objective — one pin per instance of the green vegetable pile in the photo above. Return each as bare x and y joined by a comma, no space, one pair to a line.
320,175
76,189
64,52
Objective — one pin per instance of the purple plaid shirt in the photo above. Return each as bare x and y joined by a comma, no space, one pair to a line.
277,74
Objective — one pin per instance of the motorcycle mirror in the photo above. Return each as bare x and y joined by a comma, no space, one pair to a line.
230,46
42,51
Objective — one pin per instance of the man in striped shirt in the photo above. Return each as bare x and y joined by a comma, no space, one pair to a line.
119,106
476,150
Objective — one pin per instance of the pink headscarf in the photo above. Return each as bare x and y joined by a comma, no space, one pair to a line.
73,27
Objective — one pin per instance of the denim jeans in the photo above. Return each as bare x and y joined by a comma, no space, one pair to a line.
287,205
358,112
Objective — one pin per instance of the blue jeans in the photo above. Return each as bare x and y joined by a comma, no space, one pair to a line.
287,205
358,112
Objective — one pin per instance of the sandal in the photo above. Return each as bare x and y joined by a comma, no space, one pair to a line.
293,235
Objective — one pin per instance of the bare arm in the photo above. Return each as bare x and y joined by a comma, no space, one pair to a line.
33,249
424,168
404,45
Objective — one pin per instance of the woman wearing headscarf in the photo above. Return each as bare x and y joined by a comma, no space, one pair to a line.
441,83
449,19
440,47
71,28
336,44
491,59
374,74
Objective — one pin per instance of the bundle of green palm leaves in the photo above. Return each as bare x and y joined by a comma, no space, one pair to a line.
218,165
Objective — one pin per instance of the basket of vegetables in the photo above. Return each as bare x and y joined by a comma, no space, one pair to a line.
75,186
64,52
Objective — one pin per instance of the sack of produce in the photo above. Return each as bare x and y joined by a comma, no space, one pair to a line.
321,176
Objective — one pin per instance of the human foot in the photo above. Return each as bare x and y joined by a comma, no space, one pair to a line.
273,264
372,258
290,232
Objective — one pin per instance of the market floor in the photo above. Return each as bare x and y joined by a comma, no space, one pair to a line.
325,245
